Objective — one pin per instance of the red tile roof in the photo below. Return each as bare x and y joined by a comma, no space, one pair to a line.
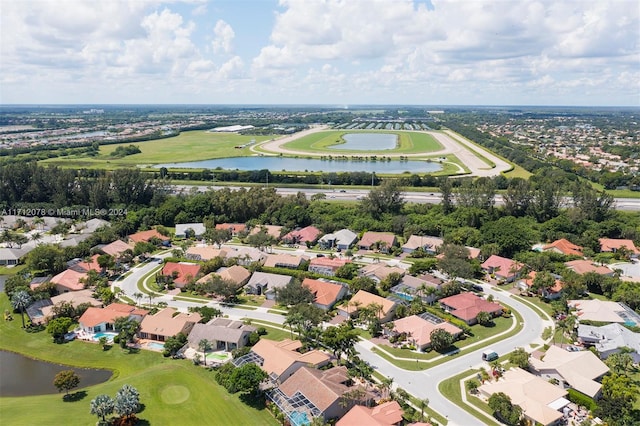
386,414
467,306
328,262
235,228
186,271
614,244
582,266
326,293
89,266
501,266
116,248
70,279
94,316
145,236
307,234
370,238
564,246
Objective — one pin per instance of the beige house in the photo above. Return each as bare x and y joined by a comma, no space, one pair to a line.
69,280
281,359
418,330
540,401
580,370
167,323
363,299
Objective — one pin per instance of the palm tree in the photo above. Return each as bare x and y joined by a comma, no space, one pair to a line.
423,404
385,385
21,300
38,222
204,345
137,295
36,236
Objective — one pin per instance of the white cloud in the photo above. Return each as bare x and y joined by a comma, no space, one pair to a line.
224,35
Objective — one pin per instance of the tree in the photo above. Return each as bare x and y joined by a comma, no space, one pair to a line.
341,339
205,346
385,199
206,313
424,403
21,301
137,295
472,386
217,236
46,258
294,293
502,407
519,357
58,327
106,261
127,402
441,339
102,406
173,344
126,328
542,282
247,378
619,394
484,318
66,380
620,362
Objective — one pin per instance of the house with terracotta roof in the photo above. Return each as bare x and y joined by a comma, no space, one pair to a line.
146,236
379,271
86,266
321,394
235,228
363,299
326,265
502,268
526,284
343,239
427,243
307,235
115,248
266,283
582,266
283,260
69,280
418,330
182,273
541,402
94,319
581,370
613,245
281,359
564,246
467,306
223,333
273,230
204,253
326,293
386,414
381,241
167,323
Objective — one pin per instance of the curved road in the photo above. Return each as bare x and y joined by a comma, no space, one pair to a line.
422,384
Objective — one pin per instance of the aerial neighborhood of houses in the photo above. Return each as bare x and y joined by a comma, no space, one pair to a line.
339,301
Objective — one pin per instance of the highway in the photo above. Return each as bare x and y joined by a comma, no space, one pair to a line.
624,204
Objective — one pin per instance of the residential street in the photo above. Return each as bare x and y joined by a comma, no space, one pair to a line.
420,384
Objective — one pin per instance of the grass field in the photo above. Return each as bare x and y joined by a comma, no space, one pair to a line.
187,146
408,143
172,391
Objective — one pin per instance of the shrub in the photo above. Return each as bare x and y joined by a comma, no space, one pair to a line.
581,399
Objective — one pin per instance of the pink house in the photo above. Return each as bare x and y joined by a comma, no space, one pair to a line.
502,268
467,306
305,235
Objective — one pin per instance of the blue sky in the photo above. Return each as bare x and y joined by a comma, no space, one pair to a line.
336,52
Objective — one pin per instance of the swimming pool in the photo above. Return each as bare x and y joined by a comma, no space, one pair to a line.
220,357
156,346
108,334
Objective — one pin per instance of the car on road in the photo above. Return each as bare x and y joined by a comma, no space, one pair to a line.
489,355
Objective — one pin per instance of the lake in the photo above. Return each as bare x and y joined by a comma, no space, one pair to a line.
309,164
367,142
23,376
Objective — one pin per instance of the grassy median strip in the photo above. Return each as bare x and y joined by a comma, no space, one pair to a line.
450,388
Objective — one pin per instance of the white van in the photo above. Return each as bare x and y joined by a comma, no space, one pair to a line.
489,355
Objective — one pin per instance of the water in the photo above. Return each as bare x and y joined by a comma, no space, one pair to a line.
156,346
309,164
23,376
367,142
109,335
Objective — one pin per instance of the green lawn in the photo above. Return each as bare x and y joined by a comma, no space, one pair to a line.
451,389
408,143
172,391
188,146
